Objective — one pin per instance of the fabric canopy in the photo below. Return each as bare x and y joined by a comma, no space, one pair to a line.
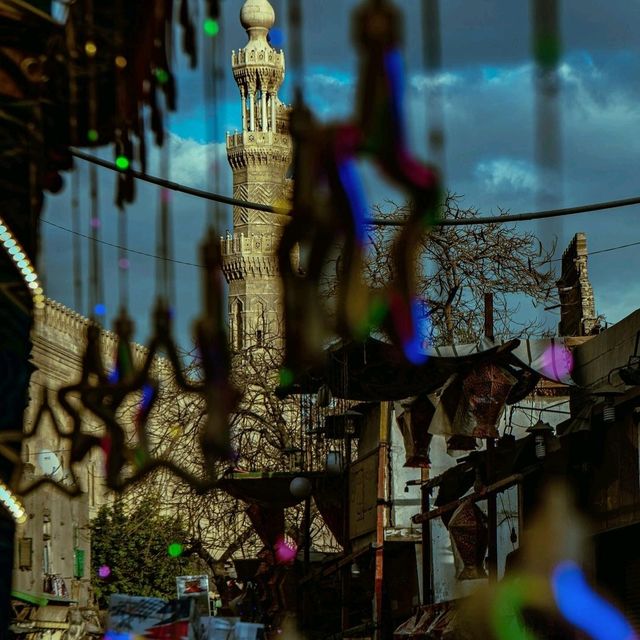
375,370
269,490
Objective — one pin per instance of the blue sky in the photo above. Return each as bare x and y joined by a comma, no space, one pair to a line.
489,115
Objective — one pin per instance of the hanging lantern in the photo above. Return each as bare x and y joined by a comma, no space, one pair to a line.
608,393
469,540
324,396
334,462
541,430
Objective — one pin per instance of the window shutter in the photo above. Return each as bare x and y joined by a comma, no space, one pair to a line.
79,563
24,553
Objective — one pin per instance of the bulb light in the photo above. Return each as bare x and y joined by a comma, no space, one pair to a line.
12,504
22,263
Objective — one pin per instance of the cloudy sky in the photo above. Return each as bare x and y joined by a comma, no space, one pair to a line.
489,105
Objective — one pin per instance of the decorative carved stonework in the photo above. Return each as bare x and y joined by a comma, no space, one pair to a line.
259,156
577,303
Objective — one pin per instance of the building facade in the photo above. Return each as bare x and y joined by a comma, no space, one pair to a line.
53,551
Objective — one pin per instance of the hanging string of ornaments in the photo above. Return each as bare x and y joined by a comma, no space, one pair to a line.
325,156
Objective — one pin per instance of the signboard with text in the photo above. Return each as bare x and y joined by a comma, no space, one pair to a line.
196,588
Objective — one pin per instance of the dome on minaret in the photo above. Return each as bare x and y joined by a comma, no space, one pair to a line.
257,17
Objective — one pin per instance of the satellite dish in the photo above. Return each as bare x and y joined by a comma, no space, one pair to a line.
50,465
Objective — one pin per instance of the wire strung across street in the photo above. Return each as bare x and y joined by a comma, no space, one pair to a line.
194,264
383,222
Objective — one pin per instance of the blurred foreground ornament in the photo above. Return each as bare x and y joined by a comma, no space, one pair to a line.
221,396
104,394
329,206
69,483
548,580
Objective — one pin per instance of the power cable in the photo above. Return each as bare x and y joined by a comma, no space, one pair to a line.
194,264
117,246
381,222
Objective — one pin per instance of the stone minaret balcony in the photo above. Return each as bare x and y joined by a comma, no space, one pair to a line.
258,70
249,256
260,153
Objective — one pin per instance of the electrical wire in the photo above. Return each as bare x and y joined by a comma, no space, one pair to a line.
381,222
195,264
117,246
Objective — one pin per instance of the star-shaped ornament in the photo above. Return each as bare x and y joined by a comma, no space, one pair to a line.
69,485
329,205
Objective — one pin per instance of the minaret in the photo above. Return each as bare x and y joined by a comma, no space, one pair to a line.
259,156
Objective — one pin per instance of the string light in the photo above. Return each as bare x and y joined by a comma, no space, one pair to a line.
12,504
90,48
175,550
92,135
121,62
23,264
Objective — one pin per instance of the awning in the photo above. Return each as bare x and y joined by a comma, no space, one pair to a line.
266,489
50,617
39,601
429,622
375,370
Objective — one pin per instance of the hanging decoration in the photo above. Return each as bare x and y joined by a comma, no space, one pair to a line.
45,413
23,264
213,346
325,158
469,539
127,465
547,51
12,504
119,57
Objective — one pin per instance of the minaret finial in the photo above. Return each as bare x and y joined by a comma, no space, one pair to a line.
257,17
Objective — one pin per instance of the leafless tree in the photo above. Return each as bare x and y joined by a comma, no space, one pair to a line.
266,434
457,265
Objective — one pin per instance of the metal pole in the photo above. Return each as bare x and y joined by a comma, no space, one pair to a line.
492,510
385,409
307,535
345,573
427,551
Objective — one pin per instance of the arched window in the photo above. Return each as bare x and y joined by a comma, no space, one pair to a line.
239,323
261,324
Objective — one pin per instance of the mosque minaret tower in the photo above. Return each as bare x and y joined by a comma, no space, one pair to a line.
260,156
